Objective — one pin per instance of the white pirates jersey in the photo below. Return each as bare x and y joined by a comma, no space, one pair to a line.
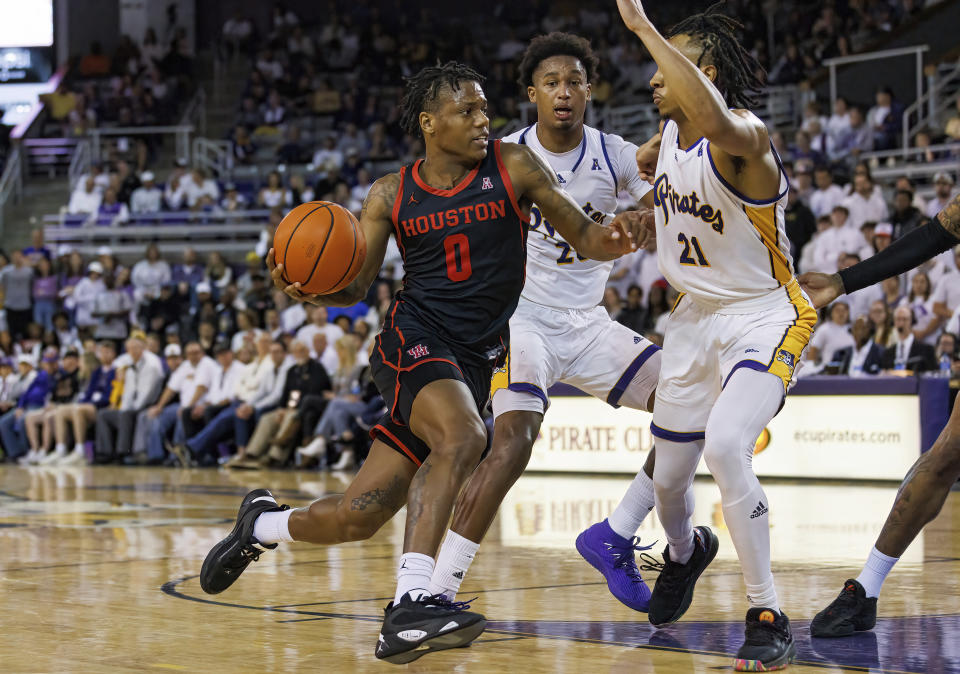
714,243
593,174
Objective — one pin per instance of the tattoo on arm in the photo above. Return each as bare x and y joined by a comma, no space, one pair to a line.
950,217
377,206
390,498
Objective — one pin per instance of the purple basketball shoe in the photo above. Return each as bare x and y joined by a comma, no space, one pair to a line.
613,555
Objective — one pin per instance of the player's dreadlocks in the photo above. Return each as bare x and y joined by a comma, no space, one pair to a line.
739,75
423,89
556,43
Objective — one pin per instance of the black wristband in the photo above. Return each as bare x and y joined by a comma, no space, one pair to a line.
902,255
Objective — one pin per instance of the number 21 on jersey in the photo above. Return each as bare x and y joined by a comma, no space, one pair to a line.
700,261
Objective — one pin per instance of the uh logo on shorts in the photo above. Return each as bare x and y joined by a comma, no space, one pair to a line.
418,351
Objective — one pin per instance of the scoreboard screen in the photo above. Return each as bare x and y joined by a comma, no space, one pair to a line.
32,24
26,43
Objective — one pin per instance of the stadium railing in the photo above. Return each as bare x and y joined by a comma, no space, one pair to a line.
214,156
891,164
79,162
931,107
180,132
11,184
232,233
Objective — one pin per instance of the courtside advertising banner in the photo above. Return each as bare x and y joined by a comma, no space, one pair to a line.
835,437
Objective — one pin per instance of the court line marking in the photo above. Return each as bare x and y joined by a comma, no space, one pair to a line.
170,588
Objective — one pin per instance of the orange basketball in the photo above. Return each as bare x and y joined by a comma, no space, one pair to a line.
320,244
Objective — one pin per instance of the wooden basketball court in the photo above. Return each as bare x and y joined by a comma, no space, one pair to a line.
99,574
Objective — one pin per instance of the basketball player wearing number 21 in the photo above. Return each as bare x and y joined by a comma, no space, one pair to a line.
558,332
740,325
460,219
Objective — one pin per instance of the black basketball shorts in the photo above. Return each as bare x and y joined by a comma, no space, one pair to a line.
405,359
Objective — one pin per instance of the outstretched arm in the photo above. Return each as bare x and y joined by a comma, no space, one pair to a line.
939,235
737,132
535,182
376,225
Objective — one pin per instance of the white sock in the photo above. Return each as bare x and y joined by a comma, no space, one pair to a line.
61,448
413,575
453,562
273,527
763,595
634,507
875,571
78,448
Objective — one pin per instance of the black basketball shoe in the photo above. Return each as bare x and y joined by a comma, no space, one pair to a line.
768,644
852,611
414,627
228,558
673,591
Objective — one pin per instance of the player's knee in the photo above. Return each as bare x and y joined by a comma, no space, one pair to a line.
724,449
461,446
512,447
945,460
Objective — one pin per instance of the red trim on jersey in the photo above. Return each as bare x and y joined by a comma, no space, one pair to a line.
396,390
379,428
415,172
395,214
432,360
505,177
394,312
383,355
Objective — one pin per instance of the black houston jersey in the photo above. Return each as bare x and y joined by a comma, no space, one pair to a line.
464,255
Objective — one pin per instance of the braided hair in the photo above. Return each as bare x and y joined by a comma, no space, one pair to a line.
739,76
423,90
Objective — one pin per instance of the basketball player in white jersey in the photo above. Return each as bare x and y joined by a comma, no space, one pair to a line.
741,324
558,332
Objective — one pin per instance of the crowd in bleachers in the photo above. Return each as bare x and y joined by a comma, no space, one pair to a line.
141,83
189,363
327,95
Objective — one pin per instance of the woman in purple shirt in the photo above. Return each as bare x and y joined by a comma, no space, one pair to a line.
46,288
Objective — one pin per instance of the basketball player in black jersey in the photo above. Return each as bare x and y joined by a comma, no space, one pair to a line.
460,218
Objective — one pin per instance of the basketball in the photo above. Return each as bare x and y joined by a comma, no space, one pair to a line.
320,244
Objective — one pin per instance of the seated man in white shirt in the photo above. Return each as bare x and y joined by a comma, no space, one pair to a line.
865,203
943,185
827,195
142,380
318,323
837,241
86,198
833,335
272,377
323,350
148,198
191,381
200,186
230,369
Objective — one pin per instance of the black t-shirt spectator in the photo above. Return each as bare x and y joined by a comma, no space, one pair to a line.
66,385
305,379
